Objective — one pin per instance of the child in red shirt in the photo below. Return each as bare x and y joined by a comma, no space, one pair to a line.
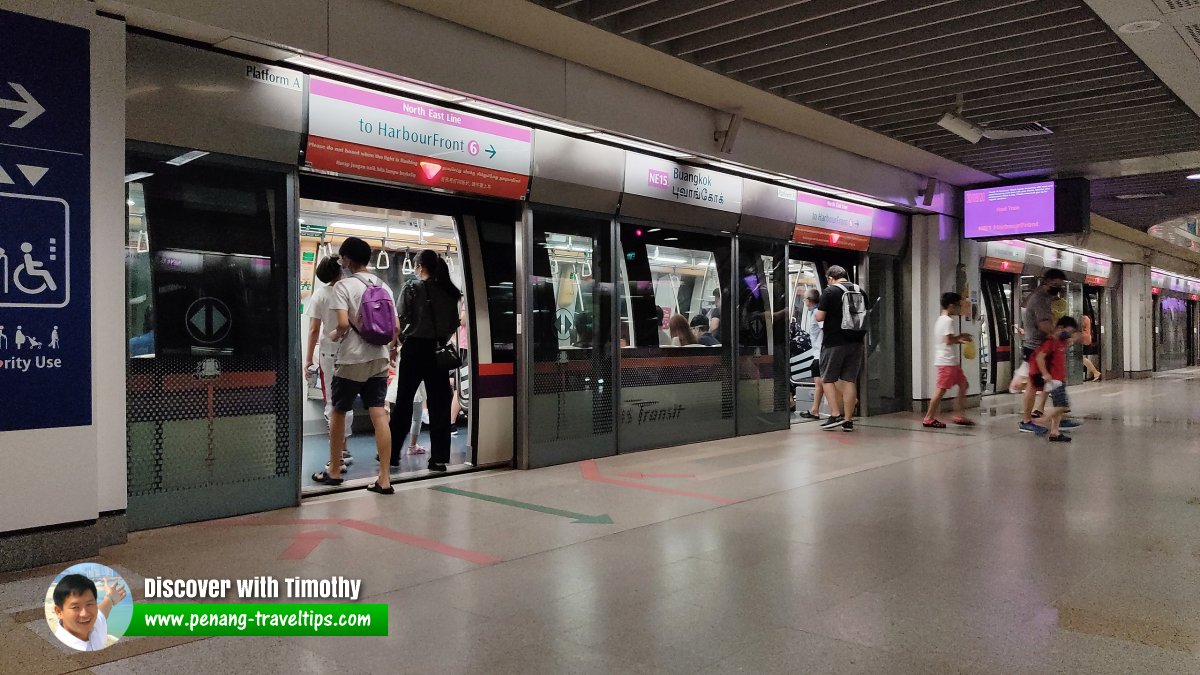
1048,371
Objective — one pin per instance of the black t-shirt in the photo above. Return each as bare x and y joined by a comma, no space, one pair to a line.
831,304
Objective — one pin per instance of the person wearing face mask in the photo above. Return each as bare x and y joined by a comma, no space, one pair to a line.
1048,371
1038,323
429,316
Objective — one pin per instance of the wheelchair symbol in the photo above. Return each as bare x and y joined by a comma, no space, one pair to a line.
37,278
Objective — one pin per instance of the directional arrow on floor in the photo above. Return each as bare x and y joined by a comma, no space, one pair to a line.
305,543
28,105
577,517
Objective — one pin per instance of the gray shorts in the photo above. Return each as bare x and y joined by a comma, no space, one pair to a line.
843,362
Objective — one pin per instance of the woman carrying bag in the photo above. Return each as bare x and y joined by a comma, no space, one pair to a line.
428,309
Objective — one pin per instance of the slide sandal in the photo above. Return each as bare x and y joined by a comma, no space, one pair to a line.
374,487
324,478
933,424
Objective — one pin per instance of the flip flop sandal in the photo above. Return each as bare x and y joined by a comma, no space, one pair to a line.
374,487
933,424
963,422
416,450
324,478
1036,414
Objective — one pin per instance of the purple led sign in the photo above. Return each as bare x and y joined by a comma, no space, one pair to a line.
1013,210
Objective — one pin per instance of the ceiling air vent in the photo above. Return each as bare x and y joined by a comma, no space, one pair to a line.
1141,195
1169,6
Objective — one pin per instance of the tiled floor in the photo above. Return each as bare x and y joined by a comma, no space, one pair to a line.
895,549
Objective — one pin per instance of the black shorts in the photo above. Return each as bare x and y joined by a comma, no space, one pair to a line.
373,393
841,363
816,368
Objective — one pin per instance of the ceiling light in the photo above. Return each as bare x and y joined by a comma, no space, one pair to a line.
1195,176
805,186
866,200
403,231
669,260
1140,195
1138,27
186,157
362,227
639,145
1071,249
531,118
671,239
129,178
333,68
753,172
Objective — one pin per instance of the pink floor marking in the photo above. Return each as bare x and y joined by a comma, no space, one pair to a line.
591,471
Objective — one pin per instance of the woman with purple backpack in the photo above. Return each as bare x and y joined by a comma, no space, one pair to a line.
428,308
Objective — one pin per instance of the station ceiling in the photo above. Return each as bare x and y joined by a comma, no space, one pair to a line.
895,66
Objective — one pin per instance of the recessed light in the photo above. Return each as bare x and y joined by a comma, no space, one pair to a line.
1195,176
1139,27
1141,195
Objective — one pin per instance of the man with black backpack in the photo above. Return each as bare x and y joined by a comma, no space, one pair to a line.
843,309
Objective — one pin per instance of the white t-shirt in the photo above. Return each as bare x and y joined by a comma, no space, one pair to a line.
816,332
318,308
944,354
347,294
96,639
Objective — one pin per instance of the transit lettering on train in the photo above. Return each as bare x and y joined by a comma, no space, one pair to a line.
649,411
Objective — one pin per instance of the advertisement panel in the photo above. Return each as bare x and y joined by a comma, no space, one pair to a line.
361,132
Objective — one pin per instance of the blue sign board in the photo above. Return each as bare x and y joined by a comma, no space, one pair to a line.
45,225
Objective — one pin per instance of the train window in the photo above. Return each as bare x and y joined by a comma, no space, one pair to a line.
496,243
670,293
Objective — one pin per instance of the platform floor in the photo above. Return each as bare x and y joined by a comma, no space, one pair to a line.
890,550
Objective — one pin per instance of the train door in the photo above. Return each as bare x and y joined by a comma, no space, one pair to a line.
807,267
997,332
1093,310
1172,344
398,224
212,425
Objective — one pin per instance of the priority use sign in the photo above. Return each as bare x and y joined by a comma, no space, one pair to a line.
45,225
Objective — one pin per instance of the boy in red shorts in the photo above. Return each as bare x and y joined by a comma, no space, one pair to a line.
949,366
1048,372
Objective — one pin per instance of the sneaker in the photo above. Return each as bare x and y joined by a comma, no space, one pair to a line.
1069,423
832,422
848,426
1031,428
1060,438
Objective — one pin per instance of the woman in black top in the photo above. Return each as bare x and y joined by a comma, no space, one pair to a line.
428,309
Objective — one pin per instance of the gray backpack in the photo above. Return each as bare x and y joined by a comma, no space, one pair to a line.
854,308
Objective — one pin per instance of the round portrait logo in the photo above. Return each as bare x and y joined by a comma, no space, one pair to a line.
88,607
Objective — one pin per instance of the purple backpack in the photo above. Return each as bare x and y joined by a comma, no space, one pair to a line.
376,315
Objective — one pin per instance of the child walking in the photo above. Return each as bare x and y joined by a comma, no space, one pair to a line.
947,358
1048,372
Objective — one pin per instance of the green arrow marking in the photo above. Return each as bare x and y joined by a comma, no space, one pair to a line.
577,517
491,151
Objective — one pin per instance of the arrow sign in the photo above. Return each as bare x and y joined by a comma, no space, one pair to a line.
577,517
491,151
305,543
28,105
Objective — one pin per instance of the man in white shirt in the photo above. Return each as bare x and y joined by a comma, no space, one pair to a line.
361,368
946,358
82,622
322,322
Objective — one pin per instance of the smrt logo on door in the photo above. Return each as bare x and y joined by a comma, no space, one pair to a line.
659,179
